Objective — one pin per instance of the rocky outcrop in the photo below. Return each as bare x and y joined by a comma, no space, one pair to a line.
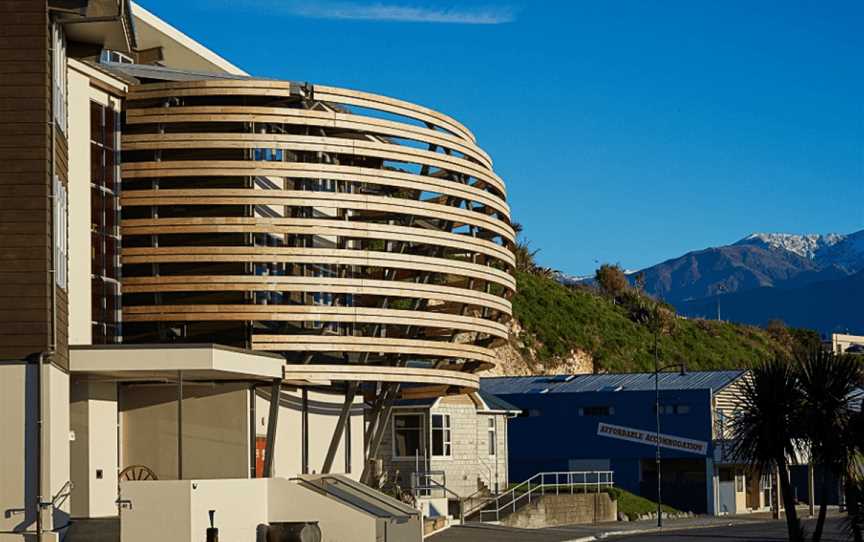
518,357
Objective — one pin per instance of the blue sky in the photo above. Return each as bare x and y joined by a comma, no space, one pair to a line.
627,132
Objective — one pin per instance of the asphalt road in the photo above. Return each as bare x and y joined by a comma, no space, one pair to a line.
745,530
767,532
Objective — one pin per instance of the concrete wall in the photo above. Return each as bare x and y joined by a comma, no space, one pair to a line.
18,427
554,510
177,511
93,412
215,430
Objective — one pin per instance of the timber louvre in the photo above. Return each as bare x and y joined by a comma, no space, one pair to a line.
329,225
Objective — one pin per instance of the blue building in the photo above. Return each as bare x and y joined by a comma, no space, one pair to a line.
607,422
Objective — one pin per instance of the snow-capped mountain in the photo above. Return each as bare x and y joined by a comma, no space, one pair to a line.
806,246
833,249
569,280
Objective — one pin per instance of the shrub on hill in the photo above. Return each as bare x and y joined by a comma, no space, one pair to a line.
618,334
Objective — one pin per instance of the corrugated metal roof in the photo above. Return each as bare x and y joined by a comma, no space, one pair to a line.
694,380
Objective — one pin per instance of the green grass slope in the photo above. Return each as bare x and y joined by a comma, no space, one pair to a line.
558,319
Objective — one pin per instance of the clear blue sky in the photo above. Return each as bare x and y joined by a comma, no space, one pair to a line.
627,132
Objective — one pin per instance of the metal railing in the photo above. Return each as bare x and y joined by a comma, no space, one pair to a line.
557,483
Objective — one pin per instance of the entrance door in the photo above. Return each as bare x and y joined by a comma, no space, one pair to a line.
727,497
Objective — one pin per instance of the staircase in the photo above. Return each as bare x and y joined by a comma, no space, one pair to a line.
499,506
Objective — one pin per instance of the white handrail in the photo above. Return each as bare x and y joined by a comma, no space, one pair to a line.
540,482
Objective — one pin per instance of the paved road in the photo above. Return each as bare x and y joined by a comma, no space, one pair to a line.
720,531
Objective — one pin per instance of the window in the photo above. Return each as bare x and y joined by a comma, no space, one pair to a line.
408,435
493,435
114,56
674,409
60,219
104,223
597,411
441,435
58,75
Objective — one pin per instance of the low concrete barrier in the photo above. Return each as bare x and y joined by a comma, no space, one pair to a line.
570,509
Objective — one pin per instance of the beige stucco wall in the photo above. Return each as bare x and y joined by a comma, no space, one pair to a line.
324,411
80,312
93,412
215,430
18,427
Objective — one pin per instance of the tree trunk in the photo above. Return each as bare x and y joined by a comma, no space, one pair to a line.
792,524
853,508
823,505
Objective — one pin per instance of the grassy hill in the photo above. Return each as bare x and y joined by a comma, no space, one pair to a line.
557,319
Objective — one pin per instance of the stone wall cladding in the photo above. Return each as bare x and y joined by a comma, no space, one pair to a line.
469,462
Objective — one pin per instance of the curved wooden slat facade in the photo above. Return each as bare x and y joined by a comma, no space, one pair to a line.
329,225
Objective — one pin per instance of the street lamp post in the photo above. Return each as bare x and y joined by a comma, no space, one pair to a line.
657,371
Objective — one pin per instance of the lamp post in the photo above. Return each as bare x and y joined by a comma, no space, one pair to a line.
657,371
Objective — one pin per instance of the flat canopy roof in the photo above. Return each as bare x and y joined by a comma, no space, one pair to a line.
207,362
214,362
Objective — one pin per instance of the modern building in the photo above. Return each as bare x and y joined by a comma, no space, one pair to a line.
607,422
214,277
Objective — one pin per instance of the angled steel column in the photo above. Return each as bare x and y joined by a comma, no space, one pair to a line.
275,391
340,426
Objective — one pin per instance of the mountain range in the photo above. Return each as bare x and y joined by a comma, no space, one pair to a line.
814,281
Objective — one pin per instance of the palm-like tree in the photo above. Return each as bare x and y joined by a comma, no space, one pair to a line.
765,427
827,382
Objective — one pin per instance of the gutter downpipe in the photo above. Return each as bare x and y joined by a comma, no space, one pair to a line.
52,274
40,501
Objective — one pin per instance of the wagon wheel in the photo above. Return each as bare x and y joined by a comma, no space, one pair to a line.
137,472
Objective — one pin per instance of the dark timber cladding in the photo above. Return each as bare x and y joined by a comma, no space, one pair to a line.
26,314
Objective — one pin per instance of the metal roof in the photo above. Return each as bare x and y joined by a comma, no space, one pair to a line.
693,380
495,403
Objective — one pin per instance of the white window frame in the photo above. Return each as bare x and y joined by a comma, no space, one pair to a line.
58,75
420,431
60,241
492,436
446,436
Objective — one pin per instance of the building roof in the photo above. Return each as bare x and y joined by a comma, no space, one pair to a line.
693,380
496,404
493,403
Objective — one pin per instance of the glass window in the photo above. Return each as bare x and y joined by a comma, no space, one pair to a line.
493,436
60,218
407,435
441,435
597,411
58,75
